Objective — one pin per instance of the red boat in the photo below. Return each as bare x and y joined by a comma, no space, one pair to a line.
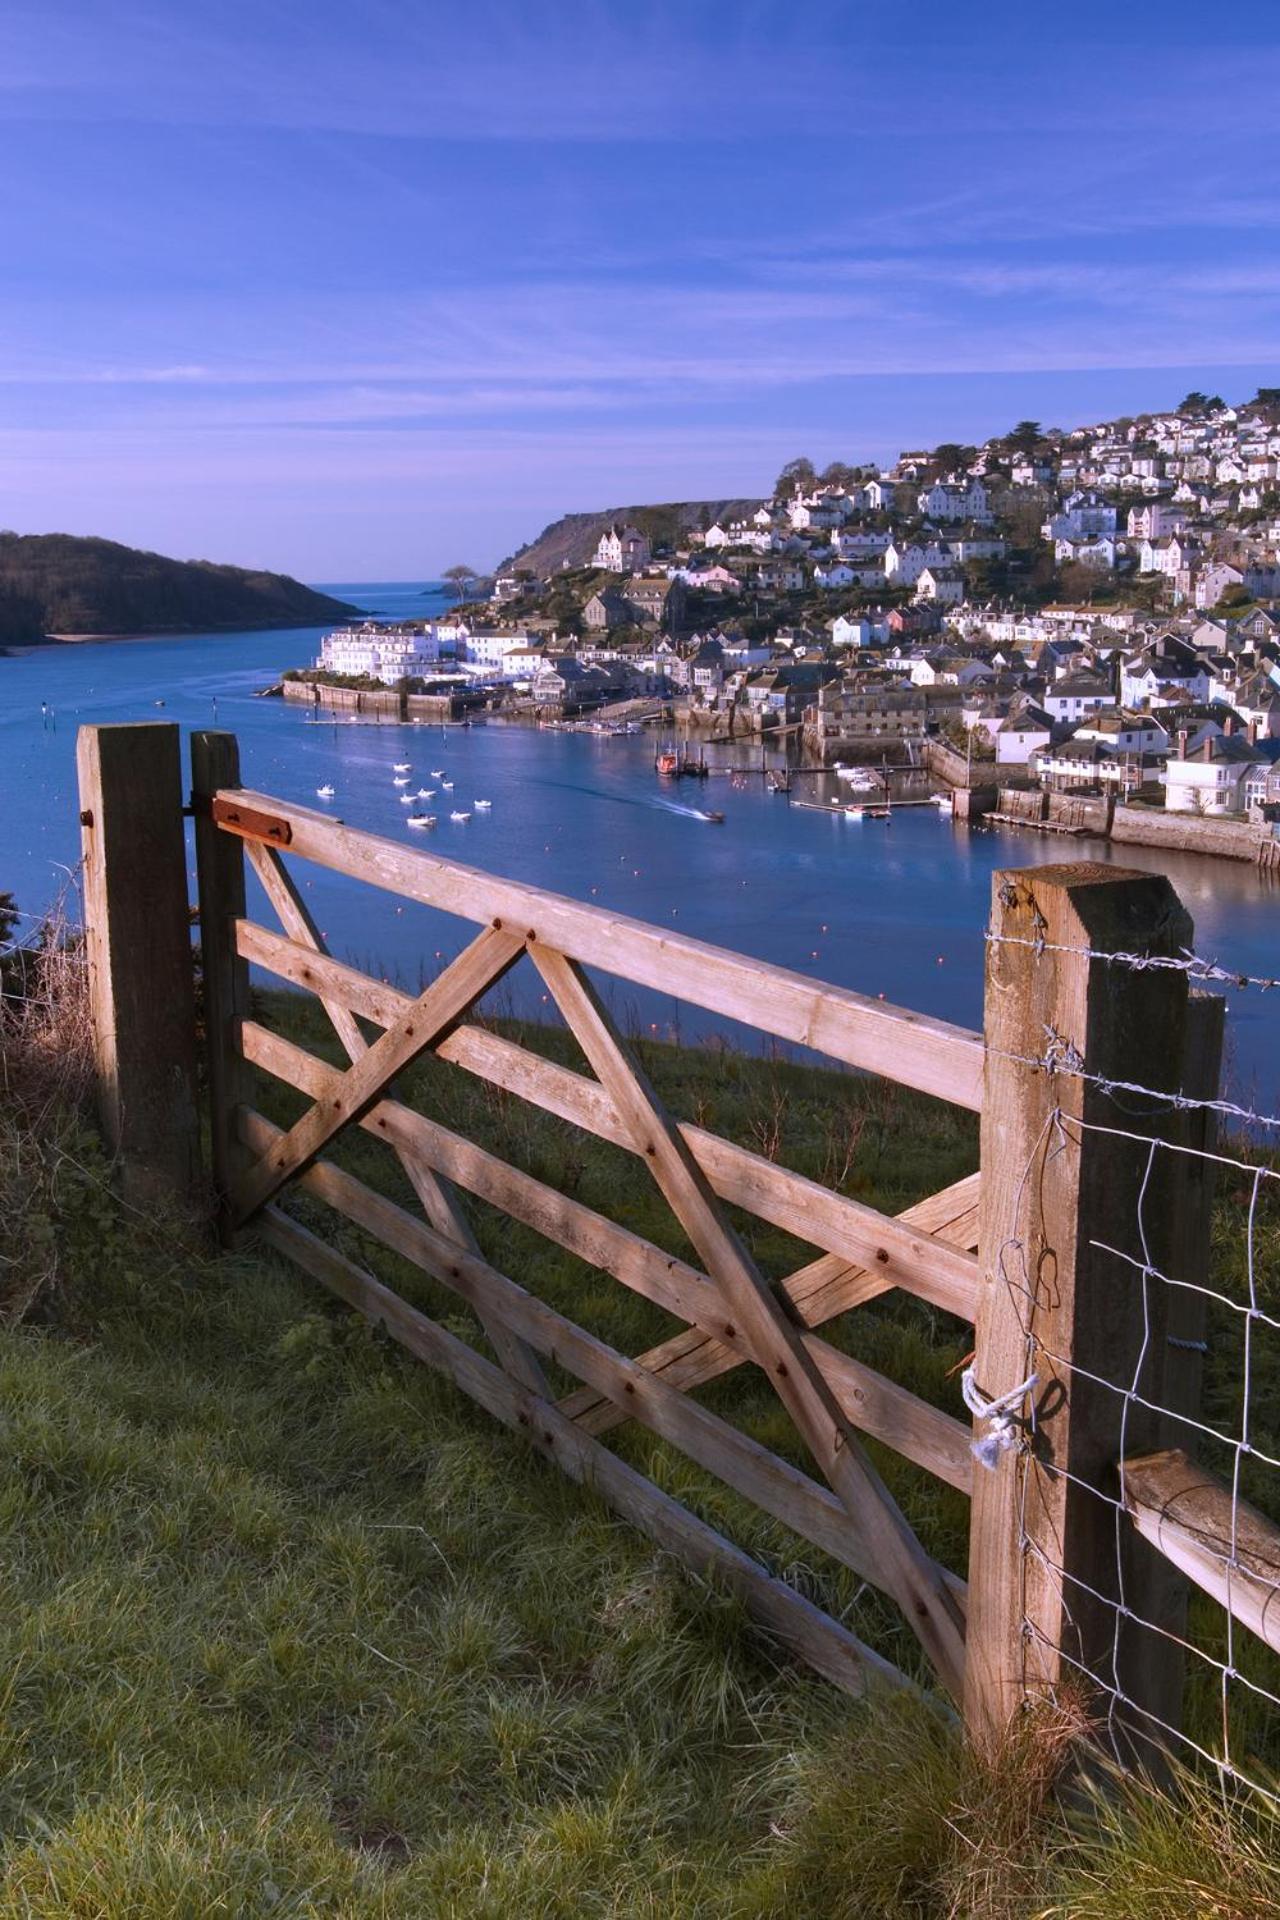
668,762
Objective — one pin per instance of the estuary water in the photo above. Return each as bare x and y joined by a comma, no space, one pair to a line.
894,909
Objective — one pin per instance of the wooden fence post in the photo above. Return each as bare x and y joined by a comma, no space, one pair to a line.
215,763
138,943
1075,1227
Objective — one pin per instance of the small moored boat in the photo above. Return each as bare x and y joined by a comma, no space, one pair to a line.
325,792
483,806
459,815
421,820
402,766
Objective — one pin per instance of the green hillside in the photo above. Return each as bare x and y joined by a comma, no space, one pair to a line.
58,583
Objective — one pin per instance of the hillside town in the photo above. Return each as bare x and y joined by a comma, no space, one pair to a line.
1093,612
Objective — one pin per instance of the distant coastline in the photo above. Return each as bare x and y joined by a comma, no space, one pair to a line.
58,589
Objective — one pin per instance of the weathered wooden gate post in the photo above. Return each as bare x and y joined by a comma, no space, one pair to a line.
215,764
138,942
1078,1228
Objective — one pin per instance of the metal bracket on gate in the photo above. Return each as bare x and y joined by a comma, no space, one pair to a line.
250,822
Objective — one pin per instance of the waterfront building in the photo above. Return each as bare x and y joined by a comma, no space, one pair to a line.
388,654
1212,780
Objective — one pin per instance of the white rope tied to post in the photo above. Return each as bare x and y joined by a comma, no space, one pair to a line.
1000,1415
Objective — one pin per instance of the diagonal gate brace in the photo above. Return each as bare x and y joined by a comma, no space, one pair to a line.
756,1317
419,1028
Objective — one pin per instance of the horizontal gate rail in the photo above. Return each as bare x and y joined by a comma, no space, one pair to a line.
920,1432
943,1274
774,1485
917,1051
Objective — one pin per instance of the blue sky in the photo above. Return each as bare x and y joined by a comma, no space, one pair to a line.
360,290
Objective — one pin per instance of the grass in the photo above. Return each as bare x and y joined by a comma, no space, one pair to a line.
291,1629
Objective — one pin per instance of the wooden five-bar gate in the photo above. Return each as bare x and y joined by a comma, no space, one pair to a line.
1046,1191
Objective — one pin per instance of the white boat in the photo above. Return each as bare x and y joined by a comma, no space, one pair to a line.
447,785
458,815
437,773
401,780
483,806
402,766
853,813
408,800
426,793
325,793
421,820
945,804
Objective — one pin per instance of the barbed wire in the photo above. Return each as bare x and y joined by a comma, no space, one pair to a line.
1194,965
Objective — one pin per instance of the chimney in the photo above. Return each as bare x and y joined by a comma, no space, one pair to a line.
1182,743
1229,725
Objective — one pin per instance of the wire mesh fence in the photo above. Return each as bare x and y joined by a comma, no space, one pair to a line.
1192,1398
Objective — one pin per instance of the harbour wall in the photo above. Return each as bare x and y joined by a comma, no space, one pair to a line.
383,703
1131,826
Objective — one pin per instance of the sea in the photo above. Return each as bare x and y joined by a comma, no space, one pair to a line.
895,909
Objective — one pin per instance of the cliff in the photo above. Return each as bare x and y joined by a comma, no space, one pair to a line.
572,539
57,583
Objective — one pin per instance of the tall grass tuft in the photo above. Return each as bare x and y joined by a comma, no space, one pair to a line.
50,1162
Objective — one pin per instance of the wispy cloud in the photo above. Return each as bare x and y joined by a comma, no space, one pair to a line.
375,270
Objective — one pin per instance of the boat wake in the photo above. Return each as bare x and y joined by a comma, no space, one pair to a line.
652,803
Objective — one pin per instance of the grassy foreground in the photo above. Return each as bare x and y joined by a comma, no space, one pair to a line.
290,1629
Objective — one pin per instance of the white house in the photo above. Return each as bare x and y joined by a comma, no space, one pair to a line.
859,543
1212,582
905,561
1082,514
1153,680
984,546
955,500
942,585
1098,552
880,495
1027,730
1127,732
1212,780
1075,695
1167,555
622,550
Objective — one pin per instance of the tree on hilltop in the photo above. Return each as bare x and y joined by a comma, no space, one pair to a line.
795,476
1025,437
460,579
951,456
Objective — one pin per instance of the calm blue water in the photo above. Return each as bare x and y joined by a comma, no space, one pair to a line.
896,910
